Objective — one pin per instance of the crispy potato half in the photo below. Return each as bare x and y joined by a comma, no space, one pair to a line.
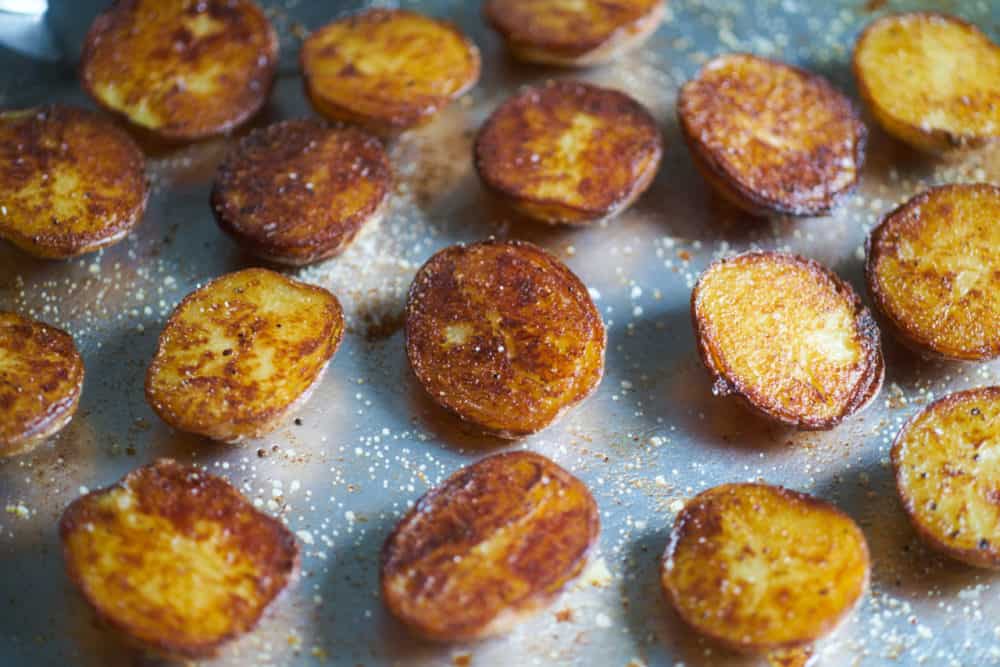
298,192
387,70
569,152
71,182
931,80
933,271
239,354
789,337
504,335
41,377
180,69
175,559
761,568
771,138
496,542
574,33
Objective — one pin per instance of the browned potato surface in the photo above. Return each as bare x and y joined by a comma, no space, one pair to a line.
239,354
771,138
181,69
788,336
947,463
176,559
70,181
569,152
504,335
494,543
761,568
298,191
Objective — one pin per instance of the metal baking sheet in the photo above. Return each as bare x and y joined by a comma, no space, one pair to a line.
370,443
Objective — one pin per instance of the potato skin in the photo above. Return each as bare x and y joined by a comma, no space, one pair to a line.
298,192
71,182
497,541
503,335
175,559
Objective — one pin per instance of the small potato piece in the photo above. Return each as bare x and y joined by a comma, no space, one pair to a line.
298,191
930,80
71,182
771,138
181,69
41,377
574,33
242,352
387,69
788,336
176,559
504,335
569,152
934,272
493,544
761,568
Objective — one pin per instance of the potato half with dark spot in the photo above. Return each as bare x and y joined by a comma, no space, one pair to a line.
41,377
761,568
789,337
298,192
239,354
181,69
930,80
176,559
947,463
387,69
934,272
496,542
771,138
575,33
504,335
569,152
71,182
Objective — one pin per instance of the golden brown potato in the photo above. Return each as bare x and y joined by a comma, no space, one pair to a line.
181,69
761,568
930,80
934,272
298,191
242,352
70,181
496,542
569,152
947,463
387,69
503,334
575,33
771,138
789,337
41,377
176,559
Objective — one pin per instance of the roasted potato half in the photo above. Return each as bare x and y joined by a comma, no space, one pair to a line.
386,69
568,152
502,334
934,272
789,337
575,33
298,191
239,354
71,182
496,542
176,559
771,138
180,69
41,377
930,80
761,568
